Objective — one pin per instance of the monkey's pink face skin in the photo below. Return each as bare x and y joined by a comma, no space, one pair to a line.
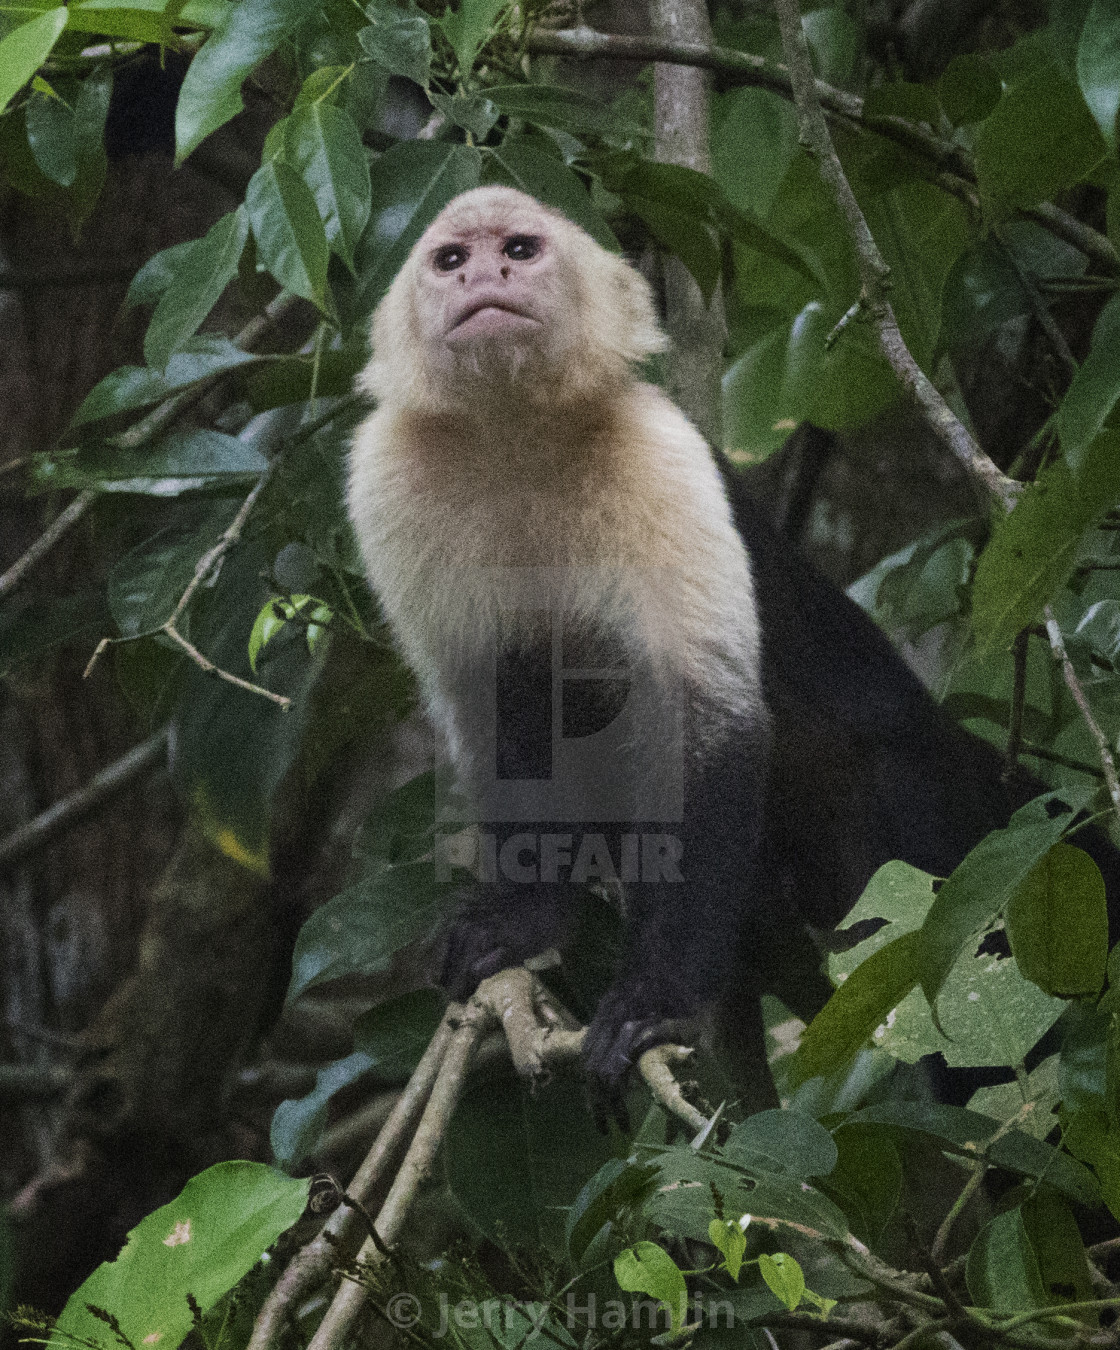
489,284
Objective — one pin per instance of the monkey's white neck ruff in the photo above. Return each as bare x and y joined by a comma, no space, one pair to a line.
625,504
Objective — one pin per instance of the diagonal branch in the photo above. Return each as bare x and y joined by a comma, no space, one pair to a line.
952,166
873,271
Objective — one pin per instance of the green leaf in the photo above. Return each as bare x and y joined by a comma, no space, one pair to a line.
1098,65
987,878
200,278
146,584
1092,395
1002,1270
396,1033
1057,921
1040,139
729,1238
25,49
1033,550
90,113
183,461
157,274
323,143
211,92
132,387
969,89
474,112
1059,1250
468,29
768,124
1094,1139
200,1245
523,165
784,1277
1005,1101
551,105
40,626
50,134
297,1123
413,182
288,379
616,1188
860,1005
867,1179
782,1141
400,40
647,1268
291,241
517,1158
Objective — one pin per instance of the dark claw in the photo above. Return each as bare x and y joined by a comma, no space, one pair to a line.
474,953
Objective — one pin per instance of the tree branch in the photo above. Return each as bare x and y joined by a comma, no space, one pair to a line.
1104,751
101,787
873,271
957,173
46,541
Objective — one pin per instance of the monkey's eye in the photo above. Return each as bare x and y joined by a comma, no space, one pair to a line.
522,247
448,258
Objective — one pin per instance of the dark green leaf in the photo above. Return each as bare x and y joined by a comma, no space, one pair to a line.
297,1123
617,1187
474,112
291,241
157,274
37,627
323,143
767,123
90,113
1002,1267
782,1141
211,92
516,1158
468,28
400,40
412,183
551,105
1060,1251
288,379
1040,139
899,98
969,89
987,878
50,133
982,292
131,387
146,584
834,44
1093,1138
182,462
1032,551
200,278
867,1179
199,1245
395,1034
1095,388
1098,65
859,1006
25,49
1057,921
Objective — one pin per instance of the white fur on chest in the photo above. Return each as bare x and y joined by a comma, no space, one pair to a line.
630,534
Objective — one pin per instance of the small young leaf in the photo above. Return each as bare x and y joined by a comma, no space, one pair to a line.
730,1240
647,1268
784,1277
201,276
468,29
474,112
969,89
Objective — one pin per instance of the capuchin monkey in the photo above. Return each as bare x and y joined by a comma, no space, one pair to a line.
638,683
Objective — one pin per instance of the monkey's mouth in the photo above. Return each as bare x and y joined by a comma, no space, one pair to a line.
489,316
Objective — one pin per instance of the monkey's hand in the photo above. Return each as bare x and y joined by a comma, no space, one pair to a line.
484,941
632,1017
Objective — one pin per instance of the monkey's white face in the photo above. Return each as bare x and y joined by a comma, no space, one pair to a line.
493,290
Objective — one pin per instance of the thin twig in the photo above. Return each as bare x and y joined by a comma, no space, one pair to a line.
1041,311
46,541
971,1186
1018,699
1066,761
209,668
873,270
313,1263
1108,764
957,173
78,805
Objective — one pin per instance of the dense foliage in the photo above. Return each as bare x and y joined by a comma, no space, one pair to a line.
251,568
